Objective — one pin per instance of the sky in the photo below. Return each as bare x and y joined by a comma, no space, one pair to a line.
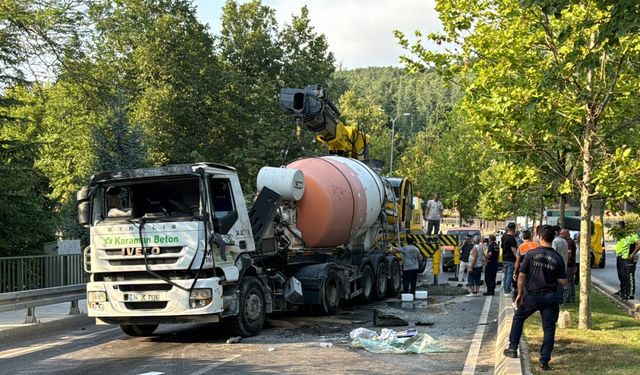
360,32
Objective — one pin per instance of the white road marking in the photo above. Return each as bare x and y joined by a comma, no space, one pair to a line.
216,364
11,353
153,373
474,350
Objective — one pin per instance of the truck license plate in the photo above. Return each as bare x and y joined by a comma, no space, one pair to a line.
141,297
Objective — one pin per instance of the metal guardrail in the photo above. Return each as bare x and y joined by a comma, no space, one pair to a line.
40,271
41,297
30,299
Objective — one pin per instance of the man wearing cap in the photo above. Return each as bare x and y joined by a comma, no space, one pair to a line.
541,274
508,245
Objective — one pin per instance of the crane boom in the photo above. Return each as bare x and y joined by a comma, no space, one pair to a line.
312,108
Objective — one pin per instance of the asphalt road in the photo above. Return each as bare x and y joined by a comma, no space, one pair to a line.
291,344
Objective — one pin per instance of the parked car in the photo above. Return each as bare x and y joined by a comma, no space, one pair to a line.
447,253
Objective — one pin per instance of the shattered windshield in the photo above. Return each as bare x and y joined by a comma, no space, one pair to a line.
176,197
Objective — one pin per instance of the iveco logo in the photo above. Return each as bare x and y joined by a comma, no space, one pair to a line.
138,251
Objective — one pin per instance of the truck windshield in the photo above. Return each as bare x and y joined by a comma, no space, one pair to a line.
152,199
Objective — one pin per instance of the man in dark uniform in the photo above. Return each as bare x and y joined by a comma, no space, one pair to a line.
542,273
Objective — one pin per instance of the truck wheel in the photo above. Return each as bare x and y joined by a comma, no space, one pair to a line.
330,294
396,278
366,283
251,313
382,273
138,330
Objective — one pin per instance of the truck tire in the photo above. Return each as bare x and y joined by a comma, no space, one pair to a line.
330,294
251,308
395,284
382,275
366,283
138,330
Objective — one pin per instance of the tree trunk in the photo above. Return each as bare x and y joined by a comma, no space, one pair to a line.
584,319
562,211
460,215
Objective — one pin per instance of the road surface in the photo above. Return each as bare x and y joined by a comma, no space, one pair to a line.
291,344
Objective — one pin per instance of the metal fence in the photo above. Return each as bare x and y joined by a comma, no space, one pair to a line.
40,271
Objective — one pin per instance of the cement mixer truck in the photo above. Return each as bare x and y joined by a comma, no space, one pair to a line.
179,244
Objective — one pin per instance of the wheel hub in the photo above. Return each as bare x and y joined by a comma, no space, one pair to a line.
253,307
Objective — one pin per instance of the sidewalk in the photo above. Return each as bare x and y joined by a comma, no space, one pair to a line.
44,314
52,318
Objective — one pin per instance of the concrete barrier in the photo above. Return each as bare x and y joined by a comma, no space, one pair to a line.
506,365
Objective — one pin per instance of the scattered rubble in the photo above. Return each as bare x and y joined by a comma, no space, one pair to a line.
386,319
233,340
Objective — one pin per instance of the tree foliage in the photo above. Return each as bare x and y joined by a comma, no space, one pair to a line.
137,83
549,83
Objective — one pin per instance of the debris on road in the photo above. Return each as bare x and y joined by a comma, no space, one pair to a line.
428,324
271,349
384,319
326,344
362,333
233,340
419,344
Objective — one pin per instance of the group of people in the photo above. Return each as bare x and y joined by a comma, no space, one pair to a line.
473,259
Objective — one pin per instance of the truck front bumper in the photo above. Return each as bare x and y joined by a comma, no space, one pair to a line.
154,301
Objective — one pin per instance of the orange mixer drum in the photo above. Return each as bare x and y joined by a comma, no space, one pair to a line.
342,199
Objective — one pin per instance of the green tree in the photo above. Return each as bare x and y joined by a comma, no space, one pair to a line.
364,113
448,161
25,221
557,73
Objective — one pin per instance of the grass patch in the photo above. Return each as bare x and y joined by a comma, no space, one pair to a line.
611,347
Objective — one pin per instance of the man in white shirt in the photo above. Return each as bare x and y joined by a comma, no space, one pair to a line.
433,214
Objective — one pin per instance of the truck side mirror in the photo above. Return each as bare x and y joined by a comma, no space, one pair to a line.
84,208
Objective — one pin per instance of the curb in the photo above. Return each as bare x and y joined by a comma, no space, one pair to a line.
30,331
632,308
506,365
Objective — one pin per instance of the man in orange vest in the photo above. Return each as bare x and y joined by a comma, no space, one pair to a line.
527,245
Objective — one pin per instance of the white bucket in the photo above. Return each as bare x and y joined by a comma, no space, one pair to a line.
422,294
407,297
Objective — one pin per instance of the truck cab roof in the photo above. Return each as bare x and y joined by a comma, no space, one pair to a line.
169,170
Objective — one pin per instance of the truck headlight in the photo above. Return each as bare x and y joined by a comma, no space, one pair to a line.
97,296
199,298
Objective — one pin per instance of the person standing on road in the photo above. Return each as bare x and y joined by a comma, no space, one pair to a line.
572,269
476,259
410,261
509,246
433,214
491,265
524,248
631,269
526,245
560,245
465,251
541,274
623,252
